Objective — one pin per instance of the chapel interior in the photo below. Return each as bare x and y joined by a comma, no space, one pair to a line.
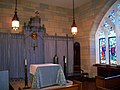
59,44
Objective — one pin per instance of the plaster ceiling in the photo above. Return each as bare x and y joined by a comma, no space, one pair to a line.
63,3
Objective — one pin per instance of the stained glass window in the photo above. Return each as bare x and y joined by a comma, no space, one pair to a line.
118,6
106,37
112,50
111,33
101,35
102,50
106,25
111,16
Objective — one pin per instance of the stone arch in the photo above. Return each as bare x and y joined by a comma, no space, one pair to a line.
92,34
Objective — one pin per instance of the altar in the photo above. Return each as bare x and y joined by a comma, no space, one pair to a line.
44,75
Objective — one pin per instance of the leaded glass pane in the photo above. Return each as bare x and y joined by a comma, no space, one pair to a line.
102,50
118,6
111,33
106,25
112,50
101,35
111,16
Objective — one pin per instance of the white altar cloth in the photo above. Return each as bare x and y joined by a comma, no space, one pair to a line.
47,74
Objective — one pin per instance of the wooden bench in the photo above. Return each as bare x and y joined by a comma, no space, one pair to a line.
109,83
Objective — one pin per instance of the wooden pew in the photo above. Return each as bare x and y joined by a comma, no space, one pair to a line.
109,83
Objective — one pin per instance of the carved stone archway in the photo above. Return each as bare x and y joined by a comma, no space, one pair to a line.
92,35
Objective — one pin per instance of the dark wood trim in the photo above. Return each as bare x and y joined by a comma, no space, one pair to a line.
106,70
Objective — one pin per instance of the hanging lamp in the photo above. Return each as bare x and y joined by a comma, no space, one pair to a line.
15,19
73,26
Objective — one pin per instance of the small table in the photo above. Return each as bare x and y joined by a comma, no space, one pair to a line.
46,75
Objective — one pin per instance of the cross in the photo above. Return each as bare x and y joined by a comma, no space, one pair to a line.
37,13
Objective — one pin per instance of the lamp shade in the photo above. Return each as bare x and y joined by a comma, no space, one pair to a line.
74,28
15,22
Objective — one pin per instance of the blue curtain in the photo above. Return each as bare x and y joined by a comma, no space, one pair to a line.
34,56
11,54
63,43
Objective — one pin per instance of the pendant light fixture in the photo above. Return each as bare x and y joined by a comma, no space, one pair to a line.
74,26
15,19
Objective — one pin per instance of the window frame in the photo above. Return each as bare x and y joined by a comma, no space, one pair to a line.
99,50
109,50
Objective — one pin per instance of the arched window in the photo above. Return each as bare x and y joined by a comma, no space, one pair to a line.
102,48
107,37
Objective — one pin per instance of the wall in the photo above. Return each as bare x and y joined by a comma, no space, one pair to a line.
89,16
56,19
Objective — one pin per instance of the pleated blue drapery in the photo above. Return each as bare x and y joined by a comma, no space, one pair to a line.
63,49
12,52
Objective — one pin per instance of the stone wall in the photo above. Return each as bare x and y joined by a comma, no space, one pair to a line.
89,16
56,19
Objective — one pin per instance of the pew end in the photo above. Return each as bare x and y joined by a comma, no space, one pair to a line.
109,83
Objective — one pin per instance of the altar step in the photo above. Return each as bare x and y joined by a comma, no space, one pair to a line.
76,86
86,85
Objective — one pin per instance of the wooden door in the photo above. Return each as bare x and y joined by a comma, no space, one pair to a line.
77,62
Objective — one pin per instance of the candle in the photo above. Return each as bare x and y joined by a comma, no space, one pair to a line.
65,60
25,61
